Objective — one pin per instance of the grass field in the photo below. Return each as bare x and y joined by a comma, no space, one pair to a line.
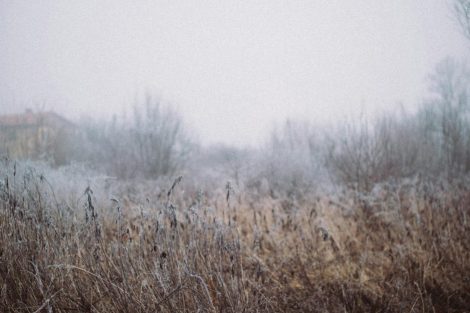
403,248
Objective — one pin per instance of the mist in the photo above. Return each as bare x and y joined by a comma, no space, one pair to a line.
235,156
231,68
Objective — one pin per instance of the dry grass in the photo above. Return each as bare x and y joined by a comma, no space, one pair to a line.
403,249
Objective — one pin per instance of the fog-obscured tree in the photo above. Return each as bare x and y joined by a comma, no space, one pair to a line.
434,141
152,143
462,15
363,153
157,136
290,161
449,115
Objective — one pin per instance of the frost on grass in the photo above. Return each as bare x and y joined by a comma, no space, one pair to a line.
71,240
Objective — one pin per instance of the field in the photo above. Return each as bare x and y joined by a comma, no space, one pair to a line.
235,157
71,244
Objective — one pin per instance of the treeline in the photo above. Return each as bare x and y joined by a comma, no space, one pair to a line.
433,142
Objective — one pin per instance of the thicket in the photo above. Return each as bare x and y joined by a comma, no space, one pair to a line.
151,143
432,142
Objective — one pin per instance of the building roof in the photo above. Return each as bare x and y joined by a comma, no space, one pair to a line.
30,118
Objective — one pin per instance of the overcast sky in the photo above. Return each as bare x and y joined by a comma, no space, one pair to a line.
230,67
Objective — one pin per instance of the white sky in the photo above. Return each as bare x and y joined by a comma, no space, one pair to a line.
230,67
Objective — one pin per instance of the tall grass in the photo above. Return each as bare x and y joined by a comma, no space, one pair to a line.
403,248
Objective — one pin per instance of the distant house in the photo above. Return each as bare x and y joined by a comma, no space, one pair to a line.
40,135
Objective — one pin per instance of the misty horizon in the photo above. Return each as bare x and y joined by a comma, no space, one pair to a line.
231,70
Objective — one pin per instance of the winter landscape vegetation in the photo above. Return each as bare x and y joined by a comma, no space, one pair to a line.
133,212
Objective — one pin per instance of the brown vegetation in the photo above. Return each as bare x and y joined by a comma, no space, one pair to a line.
400,248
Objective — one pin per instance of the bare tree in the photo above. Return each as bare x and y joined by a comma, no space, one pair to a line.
364,153
291,159
462,15
158,141
450,83
150,144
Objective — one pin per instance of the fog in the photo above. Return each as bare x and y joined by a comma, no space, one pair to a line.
234,156
231,68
